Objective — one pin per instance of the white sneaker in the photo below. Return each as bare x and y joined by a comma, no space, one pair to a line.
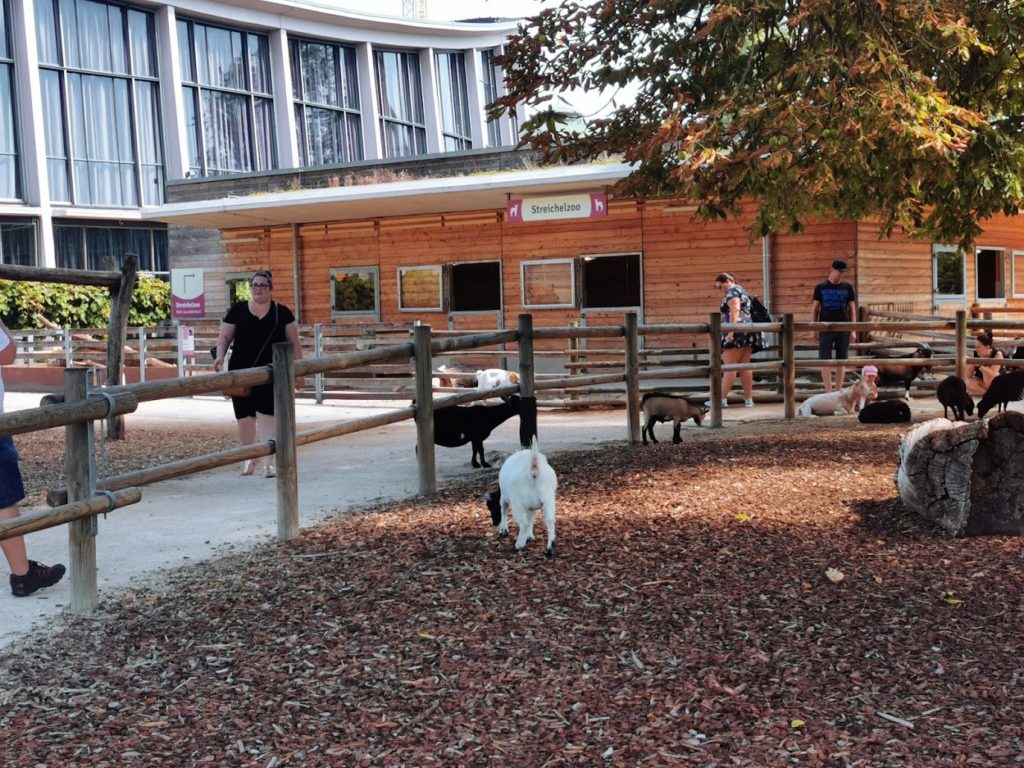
725,403
748,403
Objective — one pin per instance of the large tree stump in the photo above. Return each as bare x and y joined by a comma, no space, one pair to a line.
966,478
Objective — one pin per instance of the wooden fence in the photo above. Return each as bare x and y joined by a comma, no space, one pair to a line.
80,404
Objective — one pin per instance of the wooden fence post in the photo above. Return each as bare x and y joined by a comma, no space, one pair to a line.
142,354
117,335
528,412
80,468
630,329
284,442
574,345
715,363
961,344
789,366
423,366
318,351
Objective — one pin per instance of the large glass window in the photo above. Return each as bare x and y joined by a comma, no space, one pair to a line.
326,91
489,76
101,247
100,96
400,98
229,105
18,242
454,101
9,179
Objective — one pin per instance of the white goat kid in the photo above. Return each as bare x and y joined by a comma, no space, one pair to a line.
528,483
836,403
493,378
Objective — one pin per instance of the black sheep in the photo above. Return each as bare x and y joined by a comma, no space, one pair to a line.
1004,388
461,424
885,412
900,373
952,393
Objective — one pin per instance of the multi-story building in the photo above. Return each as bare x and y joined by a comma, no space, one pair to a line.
102,103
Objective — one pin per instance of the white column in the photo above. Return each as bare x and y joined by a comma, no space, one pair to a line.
284,113
509,135
431,111
172,102
373,146
35,183
477,99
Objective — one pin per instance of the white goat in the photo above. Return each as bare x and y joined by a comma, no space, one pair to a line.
492,378
836,403
528,483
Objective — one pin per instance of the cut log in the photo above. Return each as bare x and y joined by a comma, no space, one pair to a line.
966,478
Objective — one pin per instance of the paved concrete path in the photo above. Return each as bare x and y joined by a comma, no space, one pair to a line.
199,517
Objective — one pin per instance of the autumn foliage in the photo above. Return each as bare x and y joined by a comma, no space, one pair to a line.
908,111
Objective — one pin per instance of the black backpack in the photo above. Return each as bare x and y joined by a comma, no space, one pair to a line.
758,311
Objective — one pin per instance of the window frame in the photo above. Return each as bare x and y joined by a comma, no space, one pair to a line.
1013,273
231,278
439,269
489,79
459,101
19,222
375,312
77,157
418,129
570,262
343,113
193,91
948,298
8,68
990,300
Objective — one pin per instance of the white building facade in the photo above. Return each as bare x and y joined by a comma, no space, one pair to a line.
102,102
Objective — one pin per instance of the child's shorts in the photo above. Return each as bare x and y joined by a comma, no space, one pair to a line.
12,489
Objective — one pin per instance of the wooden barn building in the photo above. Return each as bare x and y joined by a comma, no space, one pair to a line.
469,240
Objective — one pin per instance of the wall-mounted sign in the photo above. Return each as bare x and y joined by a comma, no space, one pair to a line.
188,298
586,206
187,341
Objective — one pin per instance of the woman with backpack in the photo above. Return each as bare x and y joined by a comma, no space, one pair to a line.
737,347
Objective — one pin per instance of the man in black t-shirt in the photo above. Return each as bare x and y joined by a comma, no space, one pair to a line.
834,302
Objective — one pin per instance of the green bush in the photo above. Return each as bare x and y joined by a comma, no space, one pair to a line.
80,306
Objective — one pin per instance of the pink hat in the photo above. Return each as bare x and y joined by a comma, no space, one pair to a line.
868,370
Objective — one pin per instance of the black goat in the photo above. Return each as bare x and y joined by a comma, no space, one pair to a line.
952,393
461,424
900,373
1004,388
885,412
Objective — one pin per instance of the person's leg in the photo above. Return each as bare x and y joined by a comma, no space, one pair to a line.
12,490
14,549
268,431
842,345
975,387
729,357
825,353
747,377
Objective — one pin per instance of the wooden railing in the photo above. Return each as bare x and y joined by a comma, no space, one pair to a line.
81,403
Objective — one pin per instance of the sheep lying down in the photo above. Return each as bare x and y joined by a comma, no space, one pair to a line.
836,403
526,484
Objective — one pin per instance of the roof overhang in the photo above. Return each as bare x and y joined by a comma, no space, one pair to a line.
485,191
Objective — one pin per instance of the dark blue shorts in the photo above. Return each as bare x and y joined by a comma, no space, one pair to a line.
840,342
12,489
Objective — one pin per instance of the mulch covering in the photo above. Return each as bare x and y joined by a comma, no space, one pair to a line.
687,619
